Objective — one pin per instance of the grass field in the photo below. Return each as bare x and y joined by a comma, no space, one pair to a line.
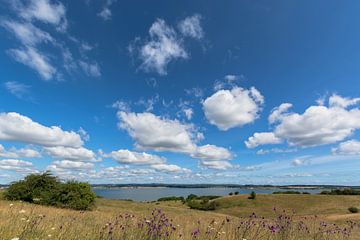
115,219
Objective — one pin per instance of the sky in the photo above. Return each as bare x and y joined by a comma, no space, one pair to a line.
243,92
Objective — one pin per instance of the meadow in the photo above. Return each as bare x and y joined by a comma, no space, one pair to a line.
270,217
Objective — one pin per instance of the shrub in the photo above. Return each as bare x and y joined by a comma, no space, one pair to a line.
252,195
46,189
172,198
204,205
346,191
236,193
353,209
231,194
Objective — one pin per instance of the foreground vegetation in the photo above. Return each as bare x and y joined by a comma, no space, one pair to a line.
46,189
270,217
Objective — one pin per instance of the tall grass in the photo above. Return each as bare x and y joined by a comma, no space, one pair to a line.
27,221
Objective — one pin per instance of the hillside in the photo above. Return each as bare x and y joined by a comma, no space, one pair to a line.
111,218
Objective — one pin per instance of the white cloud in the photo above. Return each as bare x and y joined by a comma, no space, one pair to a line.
69,165
105,13
191,27
299,161
126,156
262,138
27,33
162,134
163,47
278,112
16,165
18,153
170,168
91,69
69,153
219,165
156,133
351,147
338,101
34,59
319,125
212,153
188,113
45,11
229,81
16,127
275,150
19,90
233,108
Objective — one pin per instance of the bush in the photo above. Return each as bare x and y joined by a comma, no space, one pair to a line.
204,205
172,198
230,194
252,195
46,189
346,191
236,193
353,209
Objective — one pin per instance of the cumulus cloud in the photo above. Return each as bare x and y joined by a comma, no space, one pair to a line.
278,112
162,134
69,153
319,125
156,133
34,59
191,27
219,165
16,127
69,165
17,165
18,153
351,147
129,157
170,168
262,138
165,45
212,153
233,108
342,102
141,158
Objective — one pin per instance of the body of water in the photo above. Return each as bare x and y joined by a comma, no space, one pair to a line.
152,194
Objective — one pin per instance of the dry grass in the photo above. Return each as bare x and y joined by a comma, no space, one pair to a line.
28,221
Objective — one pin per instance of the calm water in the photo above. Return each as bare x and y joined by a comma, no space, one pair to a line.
151,194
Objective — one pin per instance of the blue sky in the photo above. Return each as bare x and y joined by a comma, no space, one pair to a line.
187,92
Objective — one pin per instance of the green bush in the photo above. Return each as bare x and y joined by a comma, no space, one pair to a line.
230,194
353,209
204,205
172,198
252,195
236,193
346,191
46,189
